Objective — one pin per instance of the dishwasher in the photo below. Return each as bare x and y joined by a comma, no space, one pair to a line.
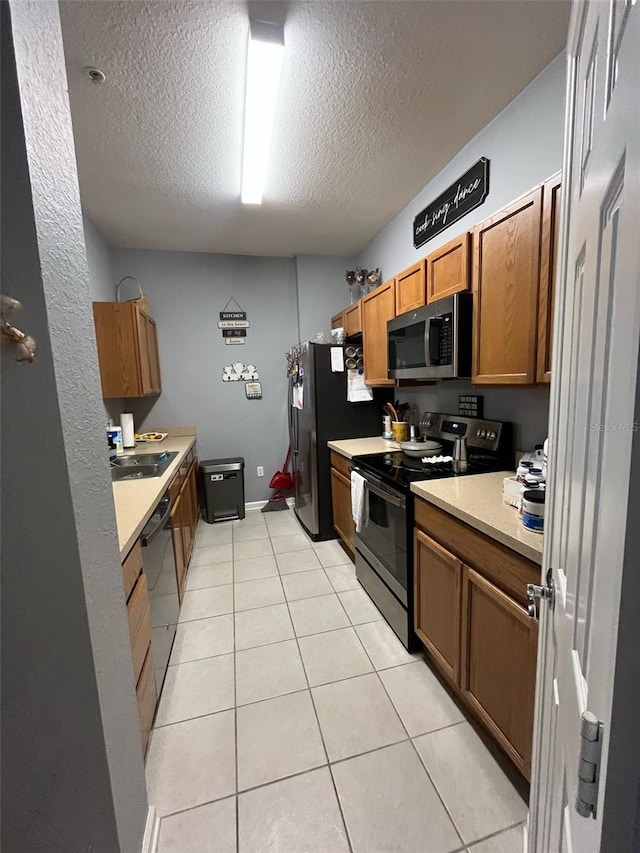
158,564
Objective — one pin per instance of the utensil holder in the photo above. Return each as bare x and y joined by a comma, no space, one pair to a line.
400,430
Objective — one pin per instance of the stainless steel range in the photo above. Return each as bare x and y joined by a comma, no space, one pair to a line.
384,546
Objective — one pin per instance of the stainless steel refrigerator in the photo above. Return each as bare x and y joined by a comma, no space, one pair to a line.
326,415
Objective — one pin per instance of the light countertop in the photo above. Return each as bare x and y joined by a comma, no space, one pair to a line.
351,447
477,500
135,500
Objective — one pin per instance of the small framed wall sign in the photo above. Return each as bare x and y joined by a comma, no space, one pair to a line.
253,390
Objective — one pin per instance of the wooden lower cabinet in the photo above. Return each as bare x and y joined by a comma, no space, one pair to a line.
131,568
146,697
341,500
139,618
177,536
184,522
474,625
342,518
499,653
438,585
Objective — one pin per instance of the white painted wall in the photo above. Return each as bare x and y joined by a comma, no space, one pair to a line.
524,144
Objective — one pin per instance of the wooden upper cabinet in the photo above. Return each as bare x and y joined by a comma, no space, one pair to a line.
337,321
448,268
127,350
378,307
548,270
410,288
353,319
499,650
437,582
506,279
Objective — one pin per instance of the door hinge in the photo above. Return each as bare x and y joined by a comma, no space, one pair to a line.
591,733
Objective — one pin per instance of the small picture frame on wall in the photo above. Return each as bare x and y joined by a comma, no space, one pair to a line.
253,390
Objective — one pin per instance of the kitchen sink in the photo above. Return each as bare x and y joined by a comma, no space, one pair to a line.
141,466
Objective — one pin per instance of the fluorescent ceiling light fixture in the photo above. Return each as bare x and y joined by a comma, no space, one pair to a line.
264,64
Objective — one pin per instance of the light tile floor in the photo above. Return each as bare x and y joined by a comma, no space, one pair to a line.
292,719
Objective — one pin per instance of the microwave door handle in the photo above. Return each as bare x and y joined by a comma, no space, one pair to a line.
433,341
427,343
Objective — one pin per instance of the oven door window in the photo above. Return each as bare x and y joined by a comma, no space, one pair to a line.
385,534
406,347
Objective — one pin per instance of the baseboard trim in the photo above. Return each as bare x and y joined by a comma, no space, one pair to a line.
259,504
151,831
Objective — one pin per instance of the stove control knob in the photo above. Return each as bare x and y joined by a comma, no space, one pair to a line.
492,436
482,433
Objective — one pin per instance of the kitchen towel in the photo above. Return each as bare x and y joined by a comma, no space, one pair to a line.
358,500
357,391
128,432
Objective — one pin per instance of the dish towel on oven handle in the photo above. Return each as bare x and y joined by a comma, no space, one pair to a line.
358,500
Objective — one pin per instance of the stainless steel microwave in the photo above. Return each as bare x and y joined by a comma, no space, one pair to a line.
433,342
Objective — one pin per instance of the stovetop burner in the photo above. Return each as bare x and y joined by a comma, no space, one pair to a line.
489,448
400,470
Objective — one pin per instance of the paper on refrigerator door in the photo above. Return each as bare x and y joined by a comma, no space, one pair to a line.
357,391
297,398
337,360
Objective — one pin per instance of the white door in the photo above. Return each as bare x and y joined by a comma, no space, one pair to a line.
591,424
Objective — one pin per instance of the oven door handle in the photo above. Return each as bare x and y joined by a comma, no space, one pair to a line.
384,494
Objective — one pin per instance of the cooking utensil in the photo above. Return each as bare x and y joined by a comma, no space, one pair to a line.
390,409
419,449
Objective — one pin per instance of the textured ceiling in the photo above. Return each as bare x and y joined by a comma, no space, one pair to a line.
376,98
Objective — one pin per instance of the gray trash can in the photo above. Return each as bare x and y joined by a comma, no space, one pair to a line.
223,488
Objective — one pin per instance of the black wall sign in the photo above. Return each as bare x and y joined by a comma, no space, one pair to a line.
467,192
234,333
233,315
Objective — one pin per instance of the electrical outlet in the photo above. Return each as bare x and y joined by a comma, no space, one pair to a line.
260,471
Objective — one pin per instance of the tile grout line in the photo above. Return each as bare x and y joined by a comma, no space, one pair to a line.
315,712
495,834
235,690
413,746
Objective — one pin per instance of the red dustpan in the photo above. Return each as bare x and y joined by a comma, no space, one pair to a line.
281,481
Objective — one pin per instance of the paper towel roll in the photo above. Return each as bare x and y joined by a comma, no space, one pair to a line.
126,422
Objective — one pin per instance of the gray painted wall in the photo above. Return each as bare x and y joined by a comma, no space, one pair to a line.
186,293
524,144
100,262
102,285
322,292
72,770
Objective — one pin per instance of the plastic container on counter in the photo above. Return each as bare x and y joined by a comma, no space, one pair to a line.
533,510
